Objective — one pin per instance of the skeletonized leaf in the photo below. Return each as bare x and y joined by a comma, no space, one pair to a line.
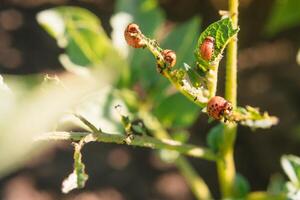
253,118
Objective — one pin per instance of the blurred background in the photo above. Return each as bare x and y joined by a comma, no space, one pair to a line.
268,78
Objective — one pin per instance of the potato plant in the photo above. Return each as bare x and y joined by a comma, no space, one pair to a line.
151,106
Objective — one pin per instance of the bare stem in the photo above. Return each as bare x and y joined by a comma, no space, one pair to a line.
196,183
142,141
225,166
231,61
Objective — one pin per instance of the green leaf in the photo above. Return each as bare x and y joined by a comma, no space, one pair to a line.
176,111
215,138
241,187
284,15
80,33
78,177
222,31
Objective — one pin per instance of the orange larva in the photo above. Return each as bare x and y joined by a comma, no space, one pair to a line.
207,48
131,36
218,107
169,57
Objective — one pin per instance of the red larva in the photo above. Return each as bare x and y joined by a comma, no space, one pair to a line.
131,37
207,48
218,107
169,57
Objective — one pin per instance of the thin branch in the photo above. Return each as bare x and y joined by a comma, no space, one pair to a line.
196,183
87,123
142,141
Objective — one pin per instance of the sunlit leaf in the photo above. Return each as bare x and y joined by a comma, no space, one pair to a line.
222,31
80,33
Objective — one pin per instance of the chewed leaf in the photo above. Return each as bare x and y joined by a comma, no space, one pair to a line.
252,117
222,31
78,177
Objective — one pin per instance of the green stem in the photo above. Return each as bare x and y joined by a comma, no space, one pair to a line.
231,61
142,141
212,78
196,184
225,166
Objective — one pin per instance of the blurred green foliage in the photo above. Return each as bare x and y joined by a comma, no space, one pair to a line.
241,187
284,15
